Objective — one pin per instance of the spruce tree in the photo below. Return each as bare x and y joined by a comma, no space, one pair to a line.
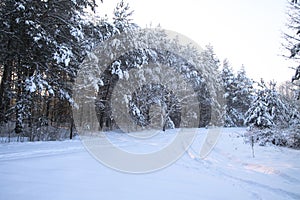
267,110
230,87
243,95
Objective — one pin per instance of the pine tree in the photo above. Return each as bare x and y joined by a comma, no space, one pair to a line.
40,51
122,17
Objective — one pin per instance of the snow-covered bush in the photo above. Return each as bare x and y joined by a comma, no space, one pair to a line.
34,133
289,137
294,134
267,136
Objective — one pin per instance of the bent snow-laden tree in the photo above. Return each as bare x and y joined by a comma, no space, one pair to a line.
141,101
145,68
155,94
160,72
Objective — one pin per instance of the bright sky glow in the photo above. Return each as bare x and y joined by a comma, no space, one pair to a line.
247,32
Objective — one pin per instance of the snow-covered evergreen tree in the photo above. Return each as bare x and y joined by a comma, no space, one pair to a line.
230,87
267,110
238,95
260,113
243,95
274,118
122,17
210,64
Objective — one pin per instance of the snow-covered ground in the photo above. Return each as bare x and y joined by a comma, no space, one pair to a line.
65,170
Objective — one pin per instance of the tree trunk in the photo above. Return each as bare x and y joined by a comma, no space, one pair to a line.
4,88
71,127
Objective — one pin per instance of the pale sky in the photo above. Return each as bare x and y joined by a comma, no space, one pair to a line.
246,32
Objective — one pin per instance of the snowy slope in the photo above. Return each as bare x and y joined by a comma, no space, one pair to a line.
65,170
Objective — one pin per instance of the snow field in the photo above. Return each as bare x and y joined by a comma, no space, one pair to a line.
65,170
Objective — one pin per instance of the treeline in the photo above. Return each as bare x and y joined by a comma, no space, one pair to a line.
44,43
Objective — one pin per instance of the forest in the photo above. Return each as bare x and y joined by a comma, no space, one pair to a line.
44,45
